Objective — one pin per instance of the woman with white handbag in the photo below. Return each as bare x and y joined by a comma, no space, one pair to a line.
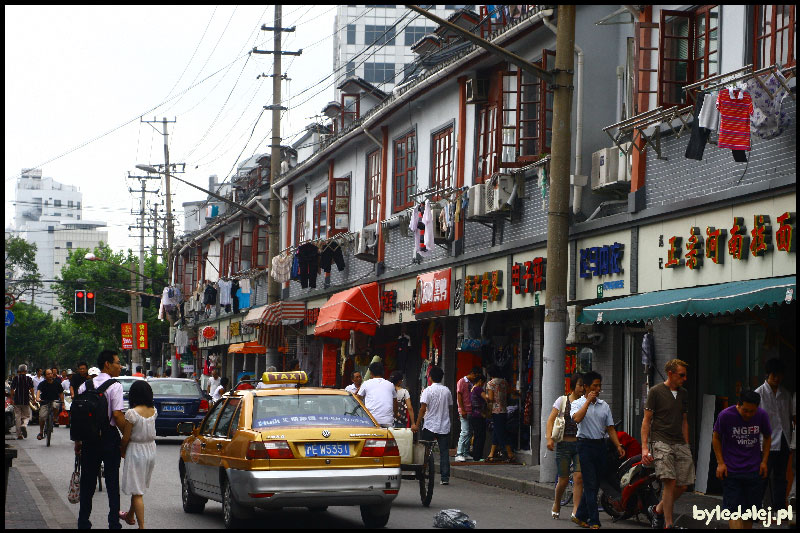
562,437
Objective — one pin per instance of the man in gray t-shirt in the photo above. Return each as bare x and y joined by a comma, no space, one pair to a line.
665,441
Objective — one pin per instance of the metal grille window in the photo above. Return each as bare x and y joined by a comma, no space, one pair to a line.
379,72
378,35
320,229
300,223
442,161
373,187
405,170
773,41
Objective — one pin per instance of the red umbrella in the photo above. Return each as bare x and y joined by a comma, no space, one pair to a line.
355,309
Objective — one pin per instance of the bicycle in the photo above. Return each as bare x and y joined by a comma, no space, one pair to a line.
48,424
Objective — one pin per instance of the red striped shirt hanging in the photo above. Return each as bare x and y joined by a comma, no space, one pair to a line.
734,127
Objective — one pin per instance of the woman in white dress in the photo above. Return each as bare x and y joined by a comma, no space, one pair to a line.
138,450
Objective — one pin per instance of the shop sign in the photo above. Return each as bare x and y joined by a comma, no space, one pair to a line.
484,288
601,260
209,332
141,336
529,277
235,329
311,316
389,301
127,336
432,296
741,243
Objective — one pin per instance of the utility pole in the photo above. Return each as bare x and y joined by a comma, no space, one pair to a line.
555,304
273,288
555,313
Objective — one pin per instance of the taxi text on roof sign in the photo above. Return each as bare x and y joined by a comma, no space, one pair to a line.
269,378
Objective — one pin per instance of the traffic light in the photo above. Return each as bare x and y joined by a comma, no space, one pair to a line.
90,298
80,301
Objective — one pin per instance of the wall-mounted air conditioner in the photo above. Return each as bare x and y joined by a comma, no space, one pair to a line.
367,244
477,201
498,191
477,90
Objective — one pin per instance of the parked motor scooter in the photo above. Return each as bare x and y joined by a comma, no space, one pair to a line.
629,487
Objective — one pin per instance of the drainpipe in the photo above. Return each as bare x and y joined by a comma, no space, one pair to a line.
579,180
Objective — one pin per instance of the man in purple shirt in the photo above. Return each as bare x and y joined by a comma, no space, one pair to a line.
741,463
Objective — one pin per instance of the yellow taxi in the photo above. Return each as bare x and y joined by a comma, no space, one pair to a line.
289,446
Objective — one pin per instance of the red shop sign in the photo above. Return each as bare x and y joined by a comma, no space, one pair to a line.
209,332
432,294
127,336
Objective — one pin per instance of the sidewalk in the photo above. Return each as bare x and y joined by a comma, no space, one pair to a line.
524,478
31,500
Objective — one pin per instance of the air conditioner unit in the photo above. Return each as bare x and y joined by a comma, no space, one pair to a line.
625,163
367,244
477,201
498,191
604,167
477,90
439,236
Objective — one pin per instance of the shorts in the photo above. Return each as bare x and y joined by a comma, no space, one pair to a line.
673,461
44,411
566,454
742,489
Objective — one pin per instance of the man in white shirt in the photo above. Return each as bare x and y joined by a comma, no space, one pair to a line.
38,378
380,396
213,383
777,402
435,404
356,384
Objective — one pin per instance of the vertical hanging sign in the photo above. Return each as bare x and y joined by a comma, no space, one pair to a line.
141,336
127,336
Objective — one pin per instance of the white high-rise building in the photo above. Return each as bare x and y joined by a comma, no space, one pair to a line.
49,214
358,27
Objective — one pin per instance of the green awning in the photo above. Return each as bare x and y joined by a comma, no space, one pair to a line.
706,300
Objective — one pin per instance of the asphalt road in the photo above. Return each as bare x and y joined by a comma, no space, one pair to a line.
490,507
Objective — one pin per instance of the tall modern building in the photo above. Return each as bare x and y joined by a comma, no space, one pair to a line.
49,214
391,30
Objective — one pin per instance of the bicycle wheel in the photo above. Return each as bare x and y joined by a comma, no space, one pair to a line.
427,477
49,424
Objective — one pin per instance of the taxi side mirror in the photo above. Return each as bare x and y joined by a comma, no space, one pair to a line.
185,428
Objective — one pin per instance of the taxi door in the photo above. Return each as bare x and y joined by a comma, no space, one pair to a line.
199,468
217,442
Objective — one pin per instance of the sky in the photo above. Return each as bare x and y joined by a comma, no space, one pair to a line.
79,80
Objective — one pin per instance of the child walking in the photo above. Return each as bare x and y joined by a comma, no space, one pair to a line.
138,450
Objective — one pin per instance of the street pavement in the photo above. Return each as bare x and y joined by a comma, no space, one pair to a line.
40,501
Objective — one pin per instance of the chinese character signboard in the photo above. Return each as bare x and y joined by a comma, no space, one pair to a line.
141,336
486,287
389,301
529,277
312,315
432,294
127,336
601,260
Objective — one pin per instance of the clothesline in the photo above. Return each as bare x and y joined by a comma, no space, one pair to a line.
349,236
740,76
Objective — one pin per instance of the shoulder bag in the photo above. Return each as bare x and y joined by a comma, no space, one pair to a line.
559,423
74,494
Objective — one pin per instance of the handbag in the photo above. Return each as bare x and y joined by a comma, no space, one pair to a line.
559,423
74,494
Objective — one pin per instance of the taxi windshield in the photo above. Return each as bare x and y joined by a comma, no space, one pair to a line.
309,410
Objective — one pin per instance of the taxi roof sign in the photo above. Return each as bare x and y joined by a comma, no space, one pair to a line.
271,378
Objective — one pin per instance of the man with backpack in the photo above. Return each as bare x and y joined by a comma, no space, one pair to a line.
96,423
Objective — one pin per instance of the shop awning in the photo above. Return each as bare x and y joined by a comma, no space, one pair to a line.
701,301
253,316
283,313
356,309
246,347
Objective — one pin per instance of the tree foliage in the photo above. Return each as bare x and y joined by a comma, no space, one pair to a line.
20,258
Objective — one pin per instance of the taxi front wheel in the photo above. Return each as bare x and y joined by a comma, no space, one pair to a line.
191,503
375,515
232,511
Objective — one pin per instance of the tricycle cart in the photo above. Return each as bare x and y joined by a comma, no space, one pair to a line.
416,462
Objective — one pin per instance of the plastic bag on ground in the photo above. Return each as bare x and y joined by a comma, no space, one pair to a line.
453,519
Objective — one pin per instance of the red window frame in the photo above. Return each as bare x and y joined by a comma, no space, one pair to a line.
405,170
260,251
230,257
339,193
373,194
773,43
354,112
320,216
300,222
486,152
442,158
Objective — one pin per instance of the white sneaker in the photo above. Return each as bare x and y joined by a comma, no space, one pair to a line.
460,459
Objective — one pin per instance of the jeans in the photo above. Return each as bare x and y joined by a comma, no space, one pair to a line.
499,429
592,454
107,452
776,479
464,437
444,451
478,426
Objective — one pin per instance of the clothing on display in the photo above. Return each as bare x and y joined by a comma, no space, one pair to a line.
224,286
735,107
308,264
421,226
709,114
244,284
331,253
281,270
768,119
699,136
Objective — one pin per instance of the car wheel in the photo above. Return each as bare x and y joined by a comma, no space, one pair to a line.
232,512
191,502
375,515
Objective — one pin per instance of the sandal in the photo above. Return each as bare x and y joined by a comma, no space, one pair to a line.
123,515
512,458
39,436
555,514
491,459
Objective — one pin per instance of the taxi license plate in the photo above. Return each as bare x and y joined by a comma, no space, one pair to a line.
173,408
328,450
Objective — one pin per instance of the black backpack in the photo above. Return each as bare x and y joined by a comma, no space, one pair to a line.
89,413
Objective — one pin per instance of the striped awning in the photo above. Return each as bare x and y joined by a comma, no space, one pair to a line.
253,316
247,347
283,313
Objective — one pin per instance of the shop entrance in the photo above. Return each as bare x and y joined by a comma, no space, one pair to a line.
636,384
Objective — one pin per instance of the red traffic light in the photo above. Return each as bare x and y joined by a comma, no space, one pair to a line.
90,295
79,294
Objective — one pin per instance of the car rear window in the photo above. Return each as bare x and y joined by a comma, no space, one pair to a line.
127,383
174,388
309,410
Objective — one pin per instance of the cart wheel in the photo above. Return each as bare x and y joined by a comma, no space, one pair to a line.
427,476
